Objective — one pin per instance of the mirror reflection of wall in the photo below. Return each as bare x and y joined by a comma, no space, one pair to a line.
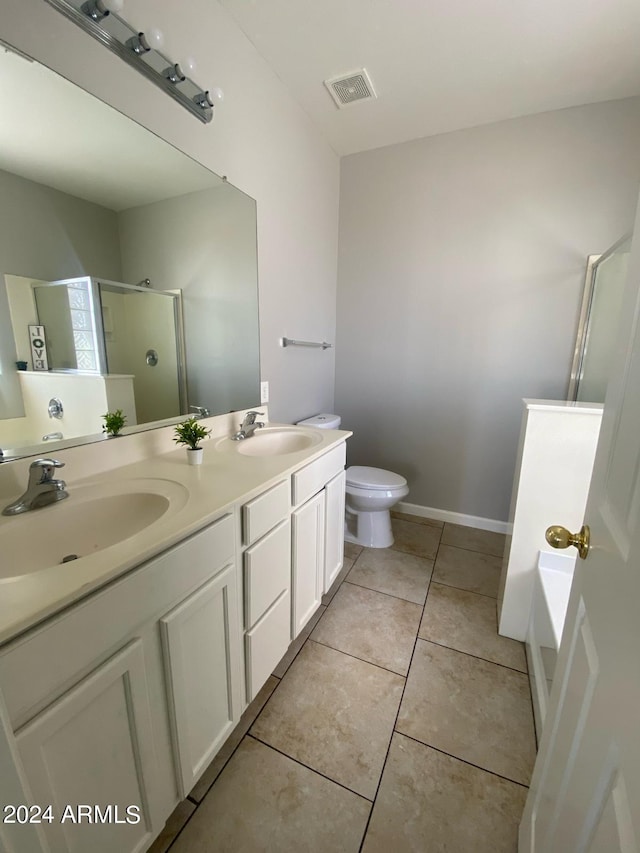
134,209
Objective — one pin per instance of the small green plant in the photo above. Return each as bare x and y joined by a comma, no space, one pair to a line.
191,433
113,422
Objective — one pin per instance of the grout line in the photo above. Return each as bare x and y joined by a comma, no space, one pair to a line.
471,655
413,553
464,589
308,767
362,660
381,592
461,760
395,722
474,551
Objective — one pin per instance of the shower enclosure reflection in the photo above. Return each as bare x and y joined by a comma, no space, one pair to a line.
98,334
599,317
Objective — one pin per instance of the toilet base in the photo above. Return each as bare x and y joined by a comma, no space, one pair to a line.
369,529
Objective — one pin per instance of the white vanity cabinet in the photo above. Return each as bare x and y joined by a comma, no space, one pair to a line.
119,702
318,532
128,695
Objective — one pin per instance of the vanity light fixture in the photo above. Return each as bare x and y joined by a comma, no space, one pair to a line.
101,20
99,9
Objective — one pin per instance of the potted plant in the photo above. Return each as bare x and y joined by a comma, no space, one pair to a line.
191,433
113,422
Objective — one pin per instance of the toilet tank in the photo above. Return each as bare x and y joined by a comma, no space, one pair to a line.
323,421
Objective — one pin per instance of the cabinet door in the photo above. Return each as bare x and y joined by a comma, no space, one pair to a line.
201,647
334,528
267,572
93,748
308,561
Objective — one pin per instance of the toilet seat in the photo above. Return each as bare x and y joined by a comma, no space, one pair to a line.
374,479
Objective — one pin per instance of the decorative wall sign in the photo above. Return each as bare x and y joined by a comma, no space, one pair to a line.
38,348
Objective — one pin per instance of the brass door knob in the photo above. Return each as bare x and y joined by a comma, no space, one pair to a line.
559,537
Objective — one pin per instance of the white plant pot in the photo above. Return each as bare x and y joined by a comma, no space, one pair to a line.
194,457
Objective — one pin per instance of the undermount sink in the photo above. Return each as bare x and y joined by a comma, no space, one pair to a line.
277,441
91,519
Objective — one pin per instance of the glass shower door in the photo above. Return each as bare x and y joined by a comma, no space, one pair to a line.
597,335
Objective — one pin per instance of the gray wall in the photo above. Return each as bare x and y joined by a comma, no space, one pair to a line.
205,244
46,234
461,267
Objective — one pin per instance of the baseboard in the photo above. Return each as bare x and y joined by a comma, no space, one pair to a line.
454,517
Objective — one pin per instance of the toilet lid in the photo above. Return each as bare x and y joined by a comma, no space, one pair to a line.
373,478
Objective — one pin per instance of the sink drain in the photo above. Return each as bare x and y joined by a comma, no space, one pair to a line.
69,558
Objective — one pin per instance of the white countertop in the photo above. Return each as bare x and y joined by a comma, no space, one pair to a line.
223,479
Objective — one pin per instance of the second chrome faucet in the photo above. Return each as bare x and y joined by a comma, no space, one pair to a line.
248,426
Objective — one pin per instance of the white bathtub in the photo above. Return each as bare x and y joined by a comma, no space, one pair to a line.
552,586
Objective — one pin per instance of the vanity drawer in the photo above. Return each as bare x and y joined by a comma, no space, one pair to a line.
267,571
264,512
309,480
267,643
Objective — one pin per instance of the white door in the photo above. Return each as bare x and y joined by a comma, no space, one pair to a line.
585,790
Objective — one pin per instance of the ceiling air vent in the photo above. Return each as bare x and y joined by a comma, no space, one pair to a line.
349,88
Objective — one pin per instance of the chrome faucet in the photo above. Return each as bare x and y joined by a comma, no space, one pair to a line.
248,426
42,489
201,411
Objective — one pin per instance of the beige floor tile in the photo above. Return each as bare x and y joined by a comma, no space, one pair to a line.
431,803
246,721
417,519
352,551
468,570
264,802
298,643
467,622
335,714
419,539
387,570
335,586
475,710
371,626
177,819
474,539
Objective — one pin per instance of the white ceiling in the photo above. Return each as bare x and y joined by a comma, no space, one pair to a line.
55,133
447,65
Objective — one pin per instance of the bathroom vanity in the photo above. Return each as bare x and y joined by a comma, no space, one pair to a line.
123,672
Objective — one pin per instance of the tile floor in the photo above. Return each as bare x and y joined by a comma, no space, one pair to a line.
399,720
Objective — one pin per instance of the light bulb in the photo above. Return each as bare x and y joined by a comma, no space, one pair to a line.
155,38
216,95
189,65
113,5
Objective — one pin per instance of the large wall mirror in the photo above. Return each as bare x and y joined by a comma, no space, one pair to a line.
89,195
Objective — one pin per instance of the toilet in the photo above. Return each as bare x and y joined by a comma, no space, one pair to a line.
369,495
